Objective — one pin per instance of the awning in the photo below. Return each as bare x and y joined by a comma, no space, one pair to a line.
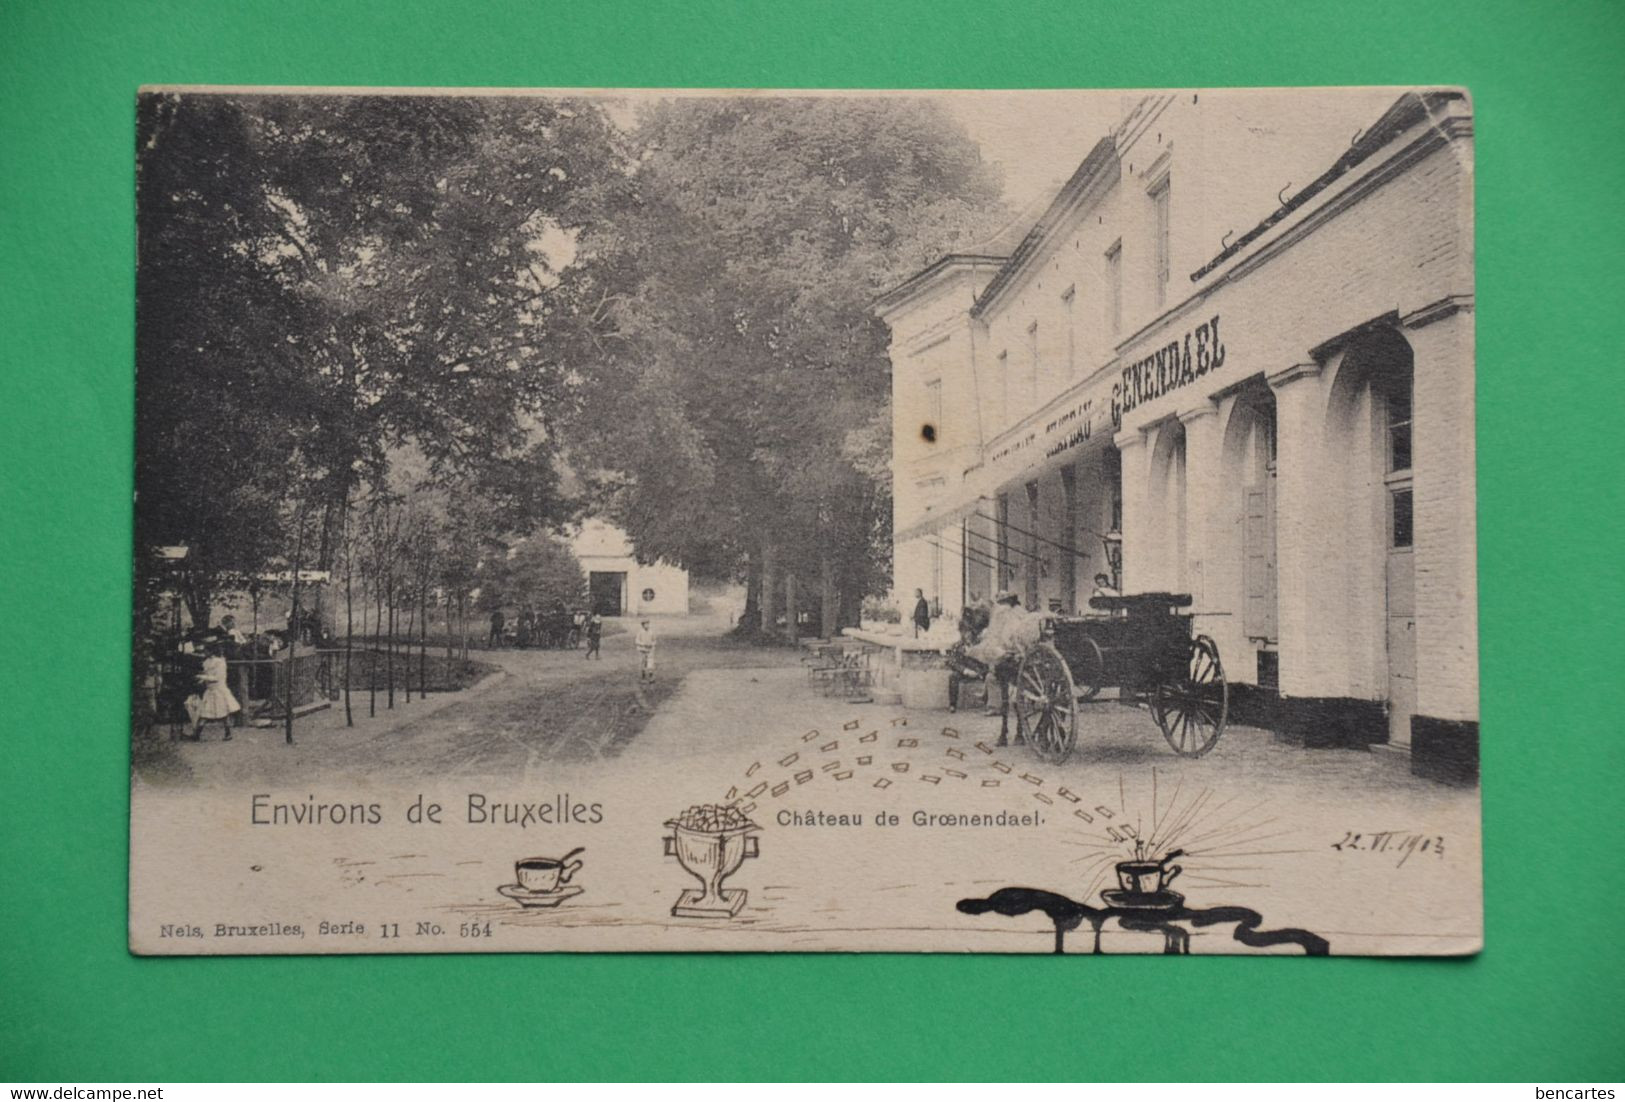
935,520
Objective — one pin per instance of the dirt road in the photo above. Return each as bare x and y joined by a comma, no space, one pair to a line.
545,706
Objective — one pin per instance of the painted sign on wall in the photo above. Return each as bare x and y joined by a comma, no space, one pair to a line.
1174,365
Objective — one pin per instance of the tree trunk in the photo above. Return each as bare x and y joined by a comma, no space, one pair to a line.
349,631
792,609
198,595
829,605
411,616
769,600
372,661
423,629
462,625
293,633
752,612
389,640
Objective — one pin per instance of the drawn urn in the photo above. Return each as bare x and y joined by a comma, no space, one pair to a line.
710,842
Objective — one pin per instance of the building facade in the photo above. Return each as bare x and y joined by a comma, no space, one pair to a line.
618,584
1233,358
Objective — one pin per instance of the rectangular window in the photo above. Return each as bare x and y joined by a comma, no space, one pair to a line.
1031,565
1160,204
1068,302
1114,288
1403,520
1399,430
1034,371
1005,573
933,409
1005,393
1069,539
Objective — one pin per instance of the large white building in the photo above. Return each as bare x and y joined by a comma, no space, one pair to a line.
1233,358
618,584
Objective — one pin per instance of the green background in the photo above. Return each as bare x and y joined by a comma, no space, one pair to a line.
1544,1000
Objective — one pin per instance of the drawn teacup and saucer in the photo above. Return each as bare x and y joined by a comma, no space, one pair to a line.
544,881
1142,885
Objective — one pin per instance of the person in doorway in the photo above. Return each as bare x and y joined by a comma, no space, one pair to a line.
922,613
497,623
595,636
645,642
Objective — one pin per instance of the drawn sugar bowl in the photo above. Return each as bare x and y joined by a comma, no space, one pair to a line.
711,841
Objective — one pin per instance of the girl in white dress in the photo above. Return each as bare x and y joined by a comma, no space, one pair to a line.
217,702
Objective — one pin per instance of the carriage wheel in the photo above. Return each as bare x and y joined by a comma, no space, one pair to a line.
1088,669
1046,704
1192,708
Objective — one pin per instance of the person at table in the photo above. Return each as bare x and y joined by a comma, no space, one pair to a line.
922,613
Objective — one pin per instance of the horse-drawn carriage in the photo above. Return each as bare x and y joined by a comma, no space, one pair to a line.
1144,646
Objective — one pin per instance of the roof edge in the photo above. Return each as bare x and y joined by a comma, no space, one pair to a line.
899,294
1100,158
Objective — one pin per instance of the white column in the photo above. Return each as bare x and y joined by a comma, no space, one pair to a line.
1444,485
1137,541
1204,482
1224,564
1307,619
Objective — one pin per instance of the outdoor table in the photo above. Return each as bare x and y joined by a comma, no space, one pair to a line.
1067,915
907,652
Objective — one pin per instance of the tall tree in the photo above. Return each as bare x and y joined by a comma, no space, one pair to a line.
337,275
734,421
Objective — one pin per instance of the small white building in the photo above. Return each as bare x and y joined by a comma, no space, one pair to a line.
618,584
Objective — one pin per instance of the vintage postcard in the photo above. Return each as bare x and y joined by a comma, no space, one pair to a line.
1020,522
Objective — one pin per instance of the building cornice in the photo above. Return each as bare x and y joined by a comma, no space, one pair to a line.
1286,375
1408,111
1437,311
1093,178
916,285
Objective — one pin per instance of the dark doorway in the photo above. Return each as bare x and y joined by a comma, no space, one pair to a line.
607,589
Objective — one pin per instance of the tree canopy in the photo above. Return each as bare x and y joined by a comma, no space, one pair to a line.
744,408
669,317
323,279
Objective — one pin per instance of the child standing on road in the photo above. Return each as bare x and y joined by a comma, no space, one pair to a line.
645,643
216,701
595,636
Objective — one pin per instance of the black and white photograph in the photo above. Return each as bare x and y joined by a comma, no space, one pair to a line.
601,520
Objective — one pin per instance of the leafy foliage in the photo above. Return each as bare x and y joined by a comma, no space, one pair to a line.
744,402
331,277
539,571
